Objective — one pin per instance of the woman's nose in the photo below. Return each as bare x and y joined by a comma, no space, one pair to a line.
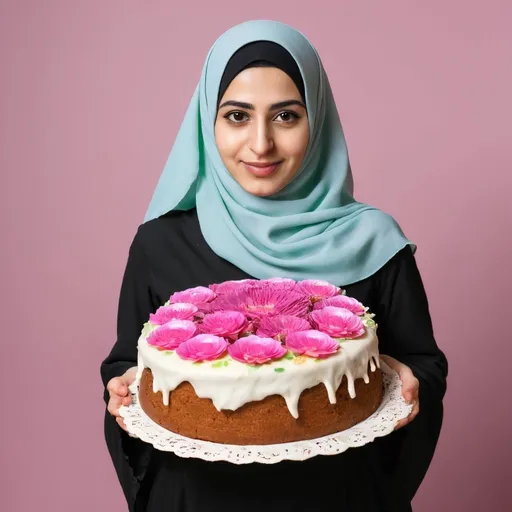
261,139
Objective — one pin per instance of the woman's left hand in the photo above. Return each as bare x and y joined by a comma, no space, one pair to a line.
410,388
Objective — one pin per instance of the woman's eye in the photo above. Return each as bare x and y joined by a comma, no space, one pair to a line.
237,117
287,117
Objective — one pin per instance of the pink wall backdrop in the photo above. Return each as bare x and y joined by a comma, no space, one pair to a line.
91,96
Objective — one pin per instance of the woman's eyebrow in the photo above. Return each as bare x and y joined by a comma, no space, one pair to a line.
250,106
239,104
287,103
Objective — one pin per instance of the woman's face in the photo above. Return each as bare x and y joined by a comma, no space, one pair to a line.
262,130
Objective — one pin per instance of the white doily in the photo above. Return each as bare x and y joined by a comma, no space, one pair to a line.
381,423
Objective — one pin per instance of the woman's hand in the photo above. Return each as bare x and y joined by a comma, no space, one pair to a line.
119,394
410,388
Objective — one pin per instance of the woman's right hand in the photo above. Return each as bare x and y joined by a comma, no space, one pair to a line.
120,394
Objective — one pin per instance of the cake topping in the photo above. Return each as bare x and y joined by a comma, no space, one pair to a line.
338,322
180,311
227,324
282,282
203,347
317,289
312,343
280,326
256,350
232,286
199,296
171,334
342,301
258,302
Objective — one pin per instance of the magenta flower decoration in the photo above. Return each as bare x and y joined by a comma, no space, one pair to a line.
256,350
311,343
282,283
170,335
279,326
342,301
203,347
258,302
233,286
252,326
338,322
198,296
227,324
316,289
179,311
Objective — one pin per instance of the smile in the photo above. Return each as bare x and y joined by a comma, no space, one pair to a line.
262,169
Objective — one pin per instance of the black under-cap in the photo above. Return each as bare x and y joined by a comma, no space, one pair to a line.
261,54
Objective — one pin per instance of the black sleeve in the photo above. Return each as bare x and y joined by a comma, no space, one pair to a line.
129,455
405,327
406,333
136,302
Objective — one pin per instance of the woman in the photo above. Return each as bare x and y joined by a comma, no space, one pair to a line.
258,184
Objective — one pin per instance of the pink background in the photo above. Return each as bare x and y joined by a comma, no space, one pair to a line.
91,96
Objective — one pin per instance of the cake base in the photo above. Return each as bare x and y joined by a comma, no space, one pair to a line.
267,421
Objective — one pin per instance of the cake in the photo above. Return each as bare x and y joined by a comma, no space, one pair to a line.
258,362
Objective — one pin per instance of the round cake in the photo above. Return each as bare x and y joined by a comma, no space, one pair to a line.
259,362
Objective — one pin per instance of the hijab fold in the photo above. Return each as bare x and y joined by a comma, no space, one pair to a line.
313,228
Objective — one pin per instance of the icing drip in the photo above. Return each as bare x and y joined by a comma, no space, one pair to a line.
231,384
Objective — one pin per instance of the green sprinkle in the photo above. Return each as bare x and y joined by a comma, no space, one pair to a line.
168,352
226,363
289,356
146,329
279,370
217,364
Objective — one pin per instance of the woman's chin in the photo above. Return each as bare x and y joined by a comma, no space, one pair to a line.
261,188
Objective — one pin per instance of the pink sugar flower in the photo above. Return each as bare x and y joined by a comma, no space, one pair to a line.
337,322
203,347
227,324
282,283
198,296
256,350
170,335
252,326
316,289
259,302
180,311
233,286
279,326
311,343
342,301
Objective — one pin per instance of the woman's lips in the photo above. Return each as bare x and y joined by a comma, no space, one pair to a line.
261,170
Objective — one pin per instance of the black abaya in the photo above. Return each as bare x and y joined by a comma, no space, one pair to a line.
170,254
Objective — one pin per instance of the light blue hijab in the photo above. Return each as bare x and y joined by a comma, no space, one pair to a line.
313,228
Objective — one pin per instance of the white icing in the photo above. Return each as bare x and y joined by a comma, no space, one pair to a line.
229,387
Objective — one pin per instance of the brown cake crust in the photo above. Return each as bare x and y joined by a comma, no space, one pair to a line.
267,421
